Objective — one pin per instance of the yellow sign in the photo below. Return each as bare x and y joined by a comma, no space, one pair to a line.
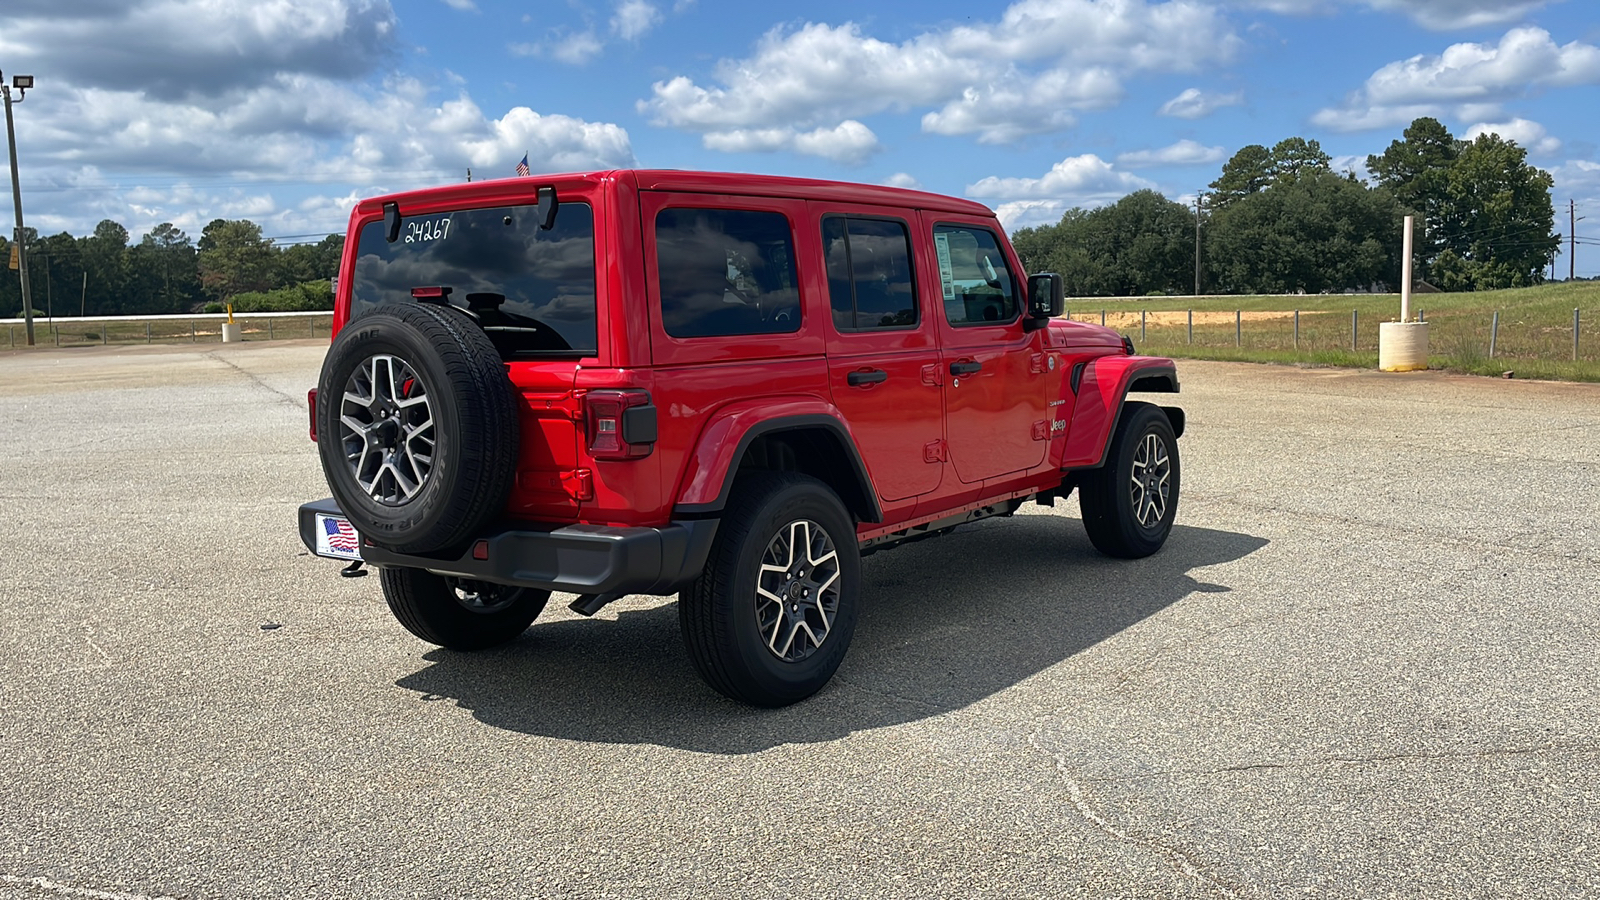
14,263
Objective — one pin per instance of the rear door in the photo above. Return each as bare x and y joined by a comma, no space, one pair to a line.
883,353
994,392
533,291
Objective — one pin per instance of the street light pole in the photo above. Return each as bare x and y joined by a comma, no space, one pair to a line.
22,83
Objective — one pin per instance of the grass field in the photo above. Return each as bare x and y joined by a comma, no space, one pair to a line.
1534,339
66,332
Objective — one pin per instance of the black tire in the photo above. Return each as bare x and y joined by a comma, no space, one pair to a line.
473,438
458,614
721,613
1129,505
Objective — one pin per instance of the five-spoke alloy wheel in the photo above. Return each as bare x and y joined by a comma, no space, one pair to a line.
1130,502
770,618
418,426
386,426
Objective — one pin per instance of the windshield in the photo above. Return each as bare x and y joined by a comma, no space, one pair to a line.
532,291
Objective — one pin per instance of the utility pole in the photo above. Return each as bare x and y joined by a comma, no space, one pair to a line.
21,83
1197,197
1572,235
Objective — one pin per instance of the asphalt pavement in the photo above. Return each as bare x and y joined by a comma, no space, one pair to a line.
1365,664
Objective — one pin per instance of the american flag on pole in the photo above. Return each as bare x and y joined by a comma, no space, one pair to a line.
340,535
522,167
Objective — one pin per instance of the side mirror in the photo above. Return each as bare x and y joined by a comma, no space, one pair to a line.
1046,296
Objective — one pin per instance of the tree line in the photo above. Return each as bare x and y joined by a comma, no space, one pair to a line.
166,272
1280,220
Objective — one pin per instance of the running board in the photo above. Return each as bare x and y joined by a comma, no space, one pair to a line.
940,526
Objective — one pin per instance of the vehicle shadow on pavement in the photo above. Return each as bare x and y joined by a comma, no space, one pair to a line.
944,624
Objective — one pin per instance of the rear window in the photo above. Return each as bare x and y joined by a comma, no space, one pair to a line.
726,272
532,291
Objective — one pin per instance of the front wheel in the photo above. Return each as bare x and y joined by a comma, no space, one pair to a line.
770,618
1129,503
458,613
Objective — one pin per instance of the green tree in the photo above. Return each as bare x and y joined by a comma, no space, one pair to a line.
163,266
1293,157
1315,232
1141,244
104,256
234,258
1498,219
1416,170
1247,172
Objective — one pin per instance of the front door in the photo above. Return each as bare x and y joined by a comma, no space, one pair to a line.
994,392
883,356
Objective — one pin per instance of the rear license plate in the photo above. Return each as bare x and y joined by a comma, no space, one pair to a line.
336,538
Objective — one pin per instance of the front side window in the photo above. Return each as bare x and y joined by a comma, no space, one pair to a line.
533,291
978,288
870,285
726,272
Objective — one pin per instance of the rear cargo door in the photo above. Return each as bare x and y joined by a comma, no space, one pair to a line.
533,292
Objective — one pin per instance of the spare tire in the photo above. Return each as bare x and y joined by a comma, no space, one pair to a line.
416,426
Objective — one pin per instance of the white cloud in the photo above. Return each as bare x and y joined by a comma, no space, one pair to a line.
1014,107
1081,180
1472,80
1183,153
171,49
1030,213
1527,134
1439,15
849,142
634,18
463,5
999,79
902,180
1194,103
575,49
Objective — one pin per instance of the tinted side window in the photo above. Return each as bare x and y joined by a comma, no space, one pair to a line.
870,284
533,291
726,272
978,288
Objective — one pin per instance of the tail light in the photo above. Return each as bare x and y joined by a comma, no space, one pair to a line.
619,424
311,400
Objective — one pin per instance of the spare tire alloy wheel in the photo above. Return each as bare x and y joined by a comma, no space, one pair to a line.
419,424
797,591
386,425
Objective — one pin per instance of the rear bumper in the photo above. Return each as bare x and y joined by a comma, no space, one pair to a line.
580,559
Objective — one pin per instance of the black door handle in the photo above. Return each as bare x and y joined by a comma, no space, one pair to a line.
965,368
871,376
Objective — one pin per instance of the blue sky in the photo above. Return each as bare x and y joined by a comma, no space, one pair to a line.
286,111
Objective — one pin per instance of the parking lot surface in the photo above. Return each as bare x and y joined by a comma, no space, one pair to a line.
1365,664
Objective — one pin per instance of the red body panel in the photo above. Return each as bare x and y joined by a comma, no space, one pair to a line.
932,444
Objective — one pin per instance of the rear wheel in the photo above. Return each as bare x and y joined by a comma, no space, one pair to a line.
1129,503
459,613
770,619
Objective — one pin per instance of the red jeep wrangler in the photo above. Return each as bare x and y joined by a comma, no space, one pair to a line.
728,387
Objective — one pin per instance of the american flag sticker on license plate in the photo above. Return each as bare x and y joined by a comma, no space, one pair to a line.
336,538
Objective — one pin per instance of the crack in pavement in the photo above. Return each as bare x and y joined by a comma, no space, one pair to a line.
1080,803
1371,759
257,379
66,890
